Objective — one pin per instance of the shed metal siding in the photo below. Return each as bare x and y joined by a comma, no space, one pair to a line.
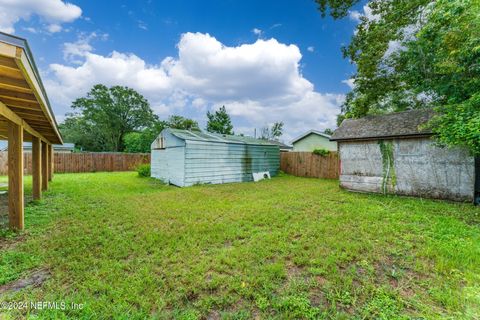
189,158
168,164
211,162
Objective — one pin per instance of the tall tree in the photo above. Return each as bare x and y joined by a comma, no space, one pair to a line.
105,116
328,131
83,133
219,122
140,141
277,130
272,133
179,122
416,54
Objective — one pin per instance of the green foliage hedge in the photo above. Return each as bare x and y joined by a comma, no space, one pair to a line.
321,152
144,170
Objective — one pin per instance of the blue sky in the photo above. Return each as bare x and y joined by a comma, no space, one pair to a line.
265,60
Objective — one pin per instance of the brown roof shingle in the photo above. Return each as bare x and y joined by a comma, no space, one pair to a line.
399,124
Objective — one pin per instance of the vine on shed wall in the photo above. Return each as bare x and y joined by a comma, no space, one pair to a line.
386,149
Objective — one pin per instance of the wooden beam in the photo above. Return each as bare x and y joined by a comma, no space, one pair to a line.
37,168
44,166
7,50
4,93
28,114
15,176
7,71
24,65
14,84
13,117
50,162
8,62
30,84
21,104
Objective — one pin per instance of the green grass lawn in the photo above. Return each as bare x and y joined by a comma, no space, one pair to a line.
131,248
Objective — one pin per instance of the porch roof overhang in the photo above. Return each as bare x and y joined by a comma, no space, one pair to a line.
23,99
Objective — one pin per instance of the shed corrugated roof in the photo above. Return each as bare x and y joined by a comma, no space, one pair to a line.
214,137
399,124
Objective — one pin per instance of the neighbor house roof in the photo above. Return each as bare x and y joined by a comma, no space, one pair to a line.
28,146
393,125
309,133
213,137
282,145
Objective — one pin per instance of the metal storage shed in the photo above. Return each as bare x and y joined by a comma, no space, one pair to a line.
185,158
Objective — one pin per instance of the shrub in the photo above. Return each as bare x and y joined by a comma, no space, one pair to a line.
144,170
321,152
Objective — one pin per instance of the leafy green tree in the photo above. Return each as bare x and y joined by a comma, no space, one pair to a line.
140,141
134,142
272,133
328,131
179,122
417,54
277,130
83,133
105,116
219,122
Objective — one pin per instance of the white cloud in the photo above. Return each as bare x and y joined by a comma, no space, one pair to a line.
75,52
349,82
257,32
259,83
367,13
311,49
52,12
31,30
313,111
142,25
355,15
54,28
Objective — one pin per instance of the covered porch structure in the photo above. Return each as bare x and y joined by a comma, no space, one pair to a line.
25,115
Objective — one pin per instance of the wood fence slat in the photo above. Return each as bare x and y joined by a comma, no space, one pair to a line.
83,162
307,164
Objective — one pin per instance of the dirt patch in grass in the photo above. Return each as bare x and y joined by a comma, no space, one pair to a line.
11,243
35,279
294,271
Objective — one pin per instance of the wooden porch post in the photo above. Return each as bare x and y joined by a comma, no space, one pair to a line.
37,168
15,176
50,162
44,166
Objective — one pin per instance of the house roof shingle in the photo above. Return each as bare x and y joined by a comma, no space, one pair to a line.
399,124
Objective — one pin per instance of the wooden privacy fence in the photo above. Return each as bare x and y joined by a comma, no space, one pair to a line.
84,162
307,164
